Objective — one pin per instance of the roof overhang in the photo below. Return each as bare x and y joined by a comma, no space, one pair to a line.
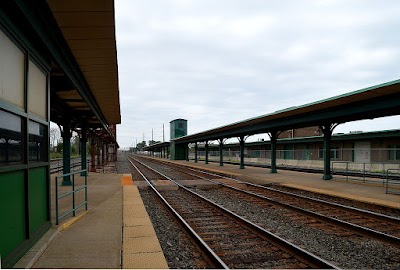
88,28
79,39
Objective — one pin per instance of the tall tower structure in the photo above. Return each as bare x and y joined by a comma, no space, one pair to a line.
178,128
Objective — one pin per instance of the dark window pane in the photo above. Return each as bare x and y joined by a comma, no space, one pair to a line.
38,148
11,150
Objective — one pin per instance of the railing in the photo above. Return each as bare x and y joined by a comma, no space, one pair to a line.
392,182
363,171
74,207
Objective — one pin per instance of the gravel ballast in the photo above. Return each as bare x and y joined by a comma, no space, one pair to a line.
342,252
338,251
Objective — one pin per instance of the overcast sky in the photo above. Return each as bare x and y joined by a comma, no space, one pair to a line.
214,62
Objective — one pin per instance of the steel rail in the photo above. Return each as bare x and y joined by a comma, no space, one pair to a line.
295,250
351,226
387,218
215,259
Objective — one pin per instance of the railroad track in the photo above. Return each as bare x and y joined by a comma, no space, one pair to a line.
230,241
313,212
57,166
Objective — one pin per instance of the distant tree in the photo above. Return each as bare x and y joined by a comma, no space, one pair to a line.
59,147
55,137
75,145
141,145
153,142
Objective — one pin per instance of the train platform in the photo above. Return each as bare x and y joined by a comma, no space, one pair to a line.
368,191
115,231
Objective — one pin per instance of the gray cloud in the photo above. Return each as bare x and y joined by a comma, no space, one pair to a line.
217,62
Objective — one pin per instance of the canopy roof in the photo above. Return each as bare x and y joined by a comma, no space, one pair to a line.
368,103
88,28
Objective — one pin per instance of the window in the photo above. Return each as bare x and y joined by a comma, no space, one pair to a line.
394,152
11,150
37,142
334,153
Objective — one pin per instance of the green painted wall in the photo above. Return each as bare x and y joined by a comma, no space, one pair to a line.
177,151
12,211
37,198
178,128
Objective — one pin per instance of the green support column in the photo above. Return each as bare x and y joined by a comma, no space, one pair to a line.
66,135
241,141
92,155
221,153
327,130
187,152
206,147
273,136
83,151
195,152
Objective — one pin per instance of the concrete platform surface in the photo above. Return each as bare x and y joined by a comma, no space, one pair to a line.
115,232
372,191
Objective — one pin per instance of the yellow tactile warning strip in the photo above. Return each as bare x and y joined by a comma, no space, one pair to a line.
346,196
141,248
126,180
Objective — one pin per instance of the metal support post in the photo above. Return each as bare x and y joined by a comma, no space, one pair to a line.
206,148
195,152
83,151
66,135
92,155
102,154
221,153
187,152
327,130
274,137
241,141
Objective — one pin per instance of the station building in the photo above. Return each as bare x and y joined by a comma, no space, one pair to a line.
58,63
300,148
304,147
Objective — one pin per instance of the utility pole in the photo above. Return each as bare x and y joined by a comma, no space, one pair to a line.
163,133
152,136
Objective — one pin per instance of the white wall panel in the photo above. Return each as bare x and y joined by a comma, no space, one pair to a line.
37,91
11,72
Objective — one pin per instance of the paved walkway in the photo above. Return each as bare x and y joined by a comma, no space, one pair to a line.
93,241
115,232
